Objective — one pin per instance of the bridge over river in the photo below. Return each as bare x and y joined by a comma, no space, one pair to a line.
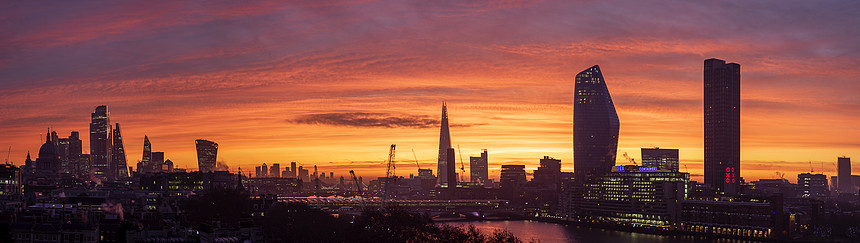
436,209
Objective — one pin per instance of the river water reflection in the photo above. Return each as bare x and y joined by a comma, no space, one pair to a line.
549,232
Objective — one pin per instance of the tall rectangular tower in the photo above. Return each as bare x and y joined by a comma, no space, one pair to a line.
844,180
722,90
100,143
478,168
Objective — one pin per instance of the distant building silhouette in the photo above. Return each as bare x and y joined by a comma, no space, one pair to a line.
478,168
664,159
119,163
275,170
101,143
844,182
145,163
444,145
722,88
812,185
293,172
549,172
75,151
264,171
207,153
595,125
511,180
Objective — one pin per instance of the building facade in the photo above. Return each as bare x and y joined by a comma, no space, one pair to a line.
845,185
812,185
207,153
664,159
722,104
595,125
101,143
478,168
119,163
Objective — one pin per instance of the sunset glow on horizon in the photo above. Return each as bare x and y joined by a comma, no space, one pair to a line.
335,84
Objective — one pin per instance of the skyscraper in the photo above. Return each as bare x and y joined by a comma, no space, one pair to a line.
844,182
722,88
595,126
478,168
75,165
119,163
444,145
100,143
207,152
275,170
264,171
293,172
661,158
145,164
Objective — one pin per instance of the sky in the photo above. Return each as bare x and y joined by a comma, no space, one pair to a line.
334,83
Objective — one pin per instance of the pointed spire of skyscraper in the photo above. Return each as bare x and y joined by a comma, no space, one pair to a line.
444,145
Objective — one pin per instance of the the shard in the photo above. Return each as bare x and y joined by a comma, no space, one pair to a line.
595,126
444,145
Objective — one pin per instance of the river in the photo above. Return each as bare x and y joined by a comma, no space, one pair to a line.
549,232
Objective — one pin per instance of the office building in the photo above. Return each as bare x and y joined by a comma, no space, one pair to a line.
101,143
478,168
511,180
264,170
275,170
635,196
207,153
722,104
812,185
444,145
664,159
75,164
845,184
595,125
293,172
549,172
119,163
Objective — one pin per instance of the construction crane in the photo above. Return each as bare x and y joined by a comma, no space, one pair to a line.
416,159
811,169
462,167
390,176
7,154
355,180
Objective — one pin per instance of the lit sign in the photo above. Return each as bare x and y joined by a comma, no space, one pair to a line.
647,168
730,175
619,168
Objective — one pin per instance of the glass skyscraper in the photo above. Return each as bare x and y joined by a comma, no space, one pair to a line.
595,126
207,152
119,163
100,143
722,125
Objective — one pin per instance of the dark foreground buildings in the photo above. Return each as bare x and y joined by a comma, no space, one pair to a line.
722,88
595,125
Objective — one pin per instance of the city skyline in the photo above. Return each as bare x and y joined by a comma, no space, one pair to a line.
263,100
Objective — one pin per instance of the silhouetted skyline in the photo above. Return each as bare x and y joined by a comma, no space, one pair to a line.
276,81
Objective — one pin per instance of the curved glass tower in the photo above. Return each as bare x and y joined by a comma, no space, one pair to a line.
595,126
207,152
